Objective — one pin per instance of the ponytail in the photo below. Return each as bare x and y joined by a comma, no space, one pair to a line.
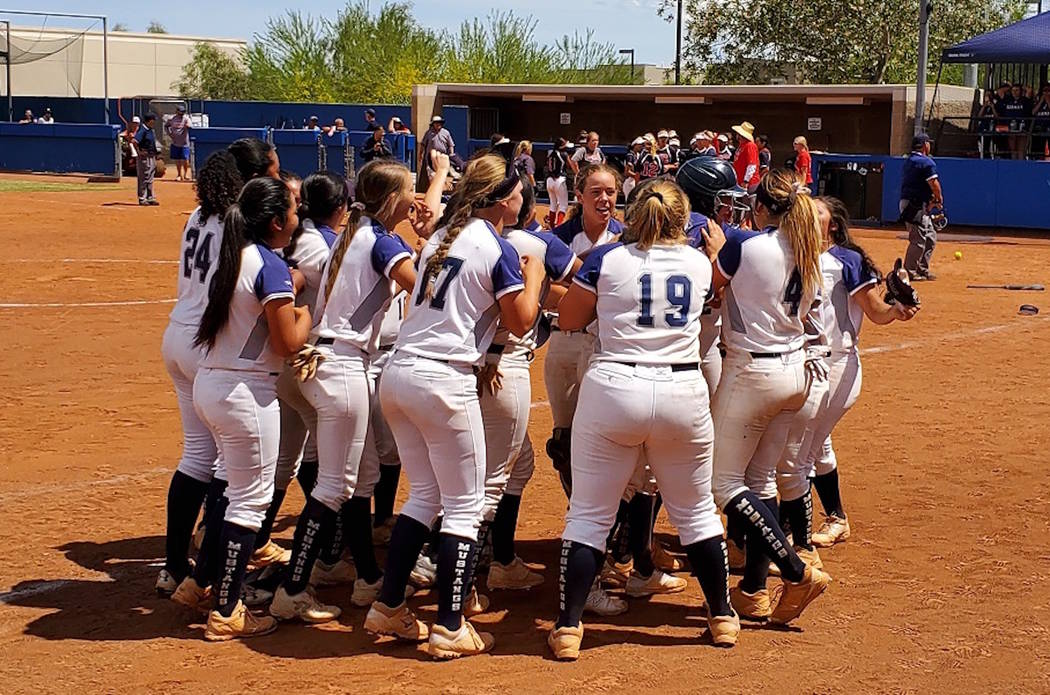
218,183
659,213
780,192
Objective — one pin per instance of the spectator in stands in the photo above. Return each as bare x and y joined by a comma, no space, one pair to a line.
178,129
745,161
803,163
1017,110
376,147
985,124
312,124
47,118
590,153
436,139
370,119
765,156
28,117
396,127
338,126
920,191
524,162
1041,125
146,162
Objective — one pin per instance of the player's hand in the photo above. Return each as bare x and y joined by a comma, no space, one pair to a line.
714,239
298,280
420,216
440,162
490,379
532,270
903,312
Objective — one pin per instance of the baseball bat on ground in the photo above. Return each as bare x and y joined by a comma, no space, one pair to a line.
1023,288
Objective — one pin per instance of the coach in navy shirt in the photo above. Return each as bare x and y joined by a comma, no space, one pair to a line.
920,191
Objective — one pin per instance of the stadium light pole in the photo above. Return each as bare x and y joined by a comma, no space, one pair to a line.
7,67
678,45
925,7
625,51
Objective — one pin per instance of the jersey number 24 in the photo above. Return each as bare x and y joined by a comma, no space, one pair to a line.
197,255
679,296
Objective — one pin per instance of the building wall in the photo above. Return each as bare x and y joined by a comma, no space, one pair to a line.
139,64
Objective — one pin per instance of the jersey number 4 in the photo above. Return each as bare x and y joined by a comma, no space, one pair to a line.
679,296
793,294
449,270
197,255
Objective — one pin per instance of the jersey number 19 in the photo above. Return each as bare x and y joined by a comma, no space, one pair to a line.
679,296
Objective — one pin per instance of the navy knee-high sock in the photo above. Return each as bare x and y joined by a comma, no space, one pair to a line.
484,531
185,497
332,550
736,532
312,532
406,541
236,548
756,563
799,514
385,492
619,542
357,531
642,508
710,561
266,528
579,566
762,525
307,476
455,574
434,538
504,525
208,560
827,487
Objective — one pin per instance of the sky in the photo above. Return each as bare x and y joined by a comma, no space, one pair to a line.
624,23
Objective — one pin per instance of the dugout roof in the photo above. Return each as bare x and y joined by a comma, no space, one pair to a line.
1027,41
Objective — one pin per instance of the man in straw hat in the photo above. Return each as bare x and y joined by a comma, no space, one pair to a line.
746,160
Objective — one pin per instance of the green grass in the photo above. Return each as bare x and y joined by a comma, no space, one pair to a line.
50,186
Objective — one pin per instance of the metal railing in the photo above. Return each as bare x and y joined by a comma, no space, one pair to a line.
993,137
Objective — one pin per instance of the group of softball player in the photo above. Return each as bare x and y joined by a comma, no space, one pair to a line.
310,341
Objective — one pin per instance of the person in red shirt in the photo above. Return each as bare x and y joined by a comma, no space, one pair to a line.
746,160
803,166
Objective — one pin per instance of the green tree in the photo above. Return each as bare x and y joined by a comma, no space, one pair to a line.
825,41
291,61
119,26
155,27
212,74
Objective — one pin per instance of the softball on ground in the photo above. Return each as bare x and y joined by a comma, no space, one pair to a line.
958,255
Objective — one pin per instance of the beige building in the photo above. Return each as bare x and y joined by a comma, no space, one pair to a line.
139,64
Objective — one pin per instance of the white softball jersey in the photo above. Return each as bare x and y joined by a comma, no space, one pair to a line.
576,239
392,319
649,302
201,241
363,289
557,262
244,342
457,323
844,277
310,257
764,304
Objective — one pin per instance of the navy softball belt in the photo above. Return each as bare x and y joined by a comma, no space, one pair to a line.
681,367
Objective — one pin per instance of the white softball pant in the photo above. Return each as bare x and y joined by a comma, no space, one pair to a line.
626,412
757,402
506,417
710,356
241,410
182,359
341,395
383,446
433,410
568,354
793,463
845,380
559,194
522,468
298,423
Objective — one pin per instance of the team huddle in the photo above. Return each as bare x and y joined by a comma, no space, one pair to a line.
698,356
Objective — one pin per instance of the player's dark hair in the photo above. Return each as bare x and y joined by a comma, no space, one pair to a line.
659,213
324,193
252,155
290,177
262,200
218,184
376,193
586,172
528,203
840,234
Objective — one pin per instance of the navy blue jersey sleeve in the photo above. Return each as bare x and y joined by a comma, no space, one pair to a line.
274,280
854,276
694,232
506,274
558,258
729,256
591,269
388,250
329,235
929,170
568,229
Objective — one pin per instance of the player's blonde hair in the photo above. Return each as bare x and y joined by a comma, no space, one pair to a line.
658,214
780,192
582,178
524,147
376,194
482,176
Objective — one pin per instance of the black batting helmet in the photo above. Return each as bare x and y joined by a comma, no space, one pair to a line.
710,182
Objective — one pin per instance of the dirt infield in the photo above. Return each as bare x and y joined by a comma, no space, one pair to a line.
945,585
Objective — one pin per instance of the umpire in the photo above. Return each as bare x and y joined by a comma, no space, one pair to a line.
146,161
920,191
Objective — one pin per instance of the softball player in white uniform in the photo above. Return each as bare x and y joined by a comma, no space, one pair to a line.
772,277
642,395
355,292
219,182
469,277
382,444
506,400
249,326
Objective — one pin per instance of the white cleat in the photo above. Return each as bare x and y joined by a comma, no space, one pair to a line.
515,576
601,603
341,572
303,606
424,574
658,583
166,584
